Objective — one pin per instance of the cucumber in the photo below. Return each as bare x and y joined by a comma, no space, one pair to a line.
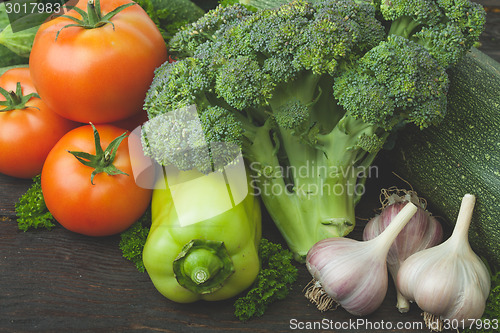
462,154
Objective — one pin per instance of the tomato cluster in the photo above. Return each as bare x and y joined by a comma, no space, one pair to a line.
92,65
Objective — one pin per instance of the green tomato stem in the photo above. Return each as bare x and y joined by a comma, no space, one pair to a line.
15,100
93,15
103,160
92,18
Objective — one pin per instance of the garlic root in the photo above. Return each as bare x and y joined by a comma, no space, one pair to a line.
316,295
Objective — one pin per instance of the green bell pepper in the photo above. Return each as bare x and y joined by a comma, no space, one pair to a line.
203,242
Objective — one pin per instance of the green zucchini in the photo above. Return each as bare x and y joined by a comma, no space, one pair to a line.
462,154
9,58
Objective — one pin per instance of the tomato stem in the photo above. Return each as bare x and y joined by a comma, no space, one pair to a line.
103,160
15,100
94,15
92,18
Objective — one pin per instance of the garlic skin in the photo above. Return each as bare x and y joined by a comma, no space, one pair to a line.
354,273
357,281
448,281
421,232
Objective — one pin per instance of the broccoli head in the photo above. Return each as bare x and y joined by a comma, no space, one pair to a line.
309,91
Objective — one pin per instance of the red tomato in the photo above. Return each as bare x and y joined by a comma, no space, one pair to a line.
27,135
97,75
108,206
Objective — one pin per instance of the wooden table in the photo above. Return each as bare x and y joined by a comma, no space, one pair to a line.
58,281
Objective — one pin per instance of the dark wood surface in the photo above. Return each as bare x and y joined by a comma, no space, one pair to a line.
61,281
58,281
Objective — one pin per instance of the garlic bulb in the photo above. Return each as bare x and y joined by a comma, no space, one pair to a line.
421,232
353,273
448,281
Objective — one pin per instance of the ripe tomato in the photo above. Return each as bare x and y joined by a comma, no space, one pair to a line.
108,206
28,133
100,74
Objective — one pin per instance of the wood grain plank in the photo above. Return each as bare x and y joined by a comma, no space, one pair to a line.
59,281
490,39
11,190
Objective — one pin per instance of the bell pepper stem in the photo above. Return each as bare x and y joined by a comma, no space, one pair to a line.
202,266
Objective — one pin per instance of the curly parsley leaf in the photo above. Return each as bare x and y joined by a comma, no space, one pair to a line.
133,239
273,283
31,211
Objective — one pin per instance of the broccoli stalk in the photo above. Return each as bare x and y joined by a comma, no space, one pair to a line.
309,91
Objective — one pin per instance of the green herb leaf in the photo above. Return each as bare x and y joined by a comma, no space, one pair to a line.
32,213
273,283
133,239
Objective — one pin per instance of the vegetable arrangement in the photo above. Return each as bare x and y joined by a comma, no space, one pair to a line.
447,281
299,95
315,87
77,80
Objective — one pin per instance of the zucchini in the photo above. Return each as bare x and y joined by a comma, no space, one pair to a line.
9,58
462,154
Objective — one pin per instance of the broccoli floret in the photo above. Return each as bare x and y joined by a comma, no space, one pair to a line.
446,28
395,81
309,91
242,83
185,42
170,16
